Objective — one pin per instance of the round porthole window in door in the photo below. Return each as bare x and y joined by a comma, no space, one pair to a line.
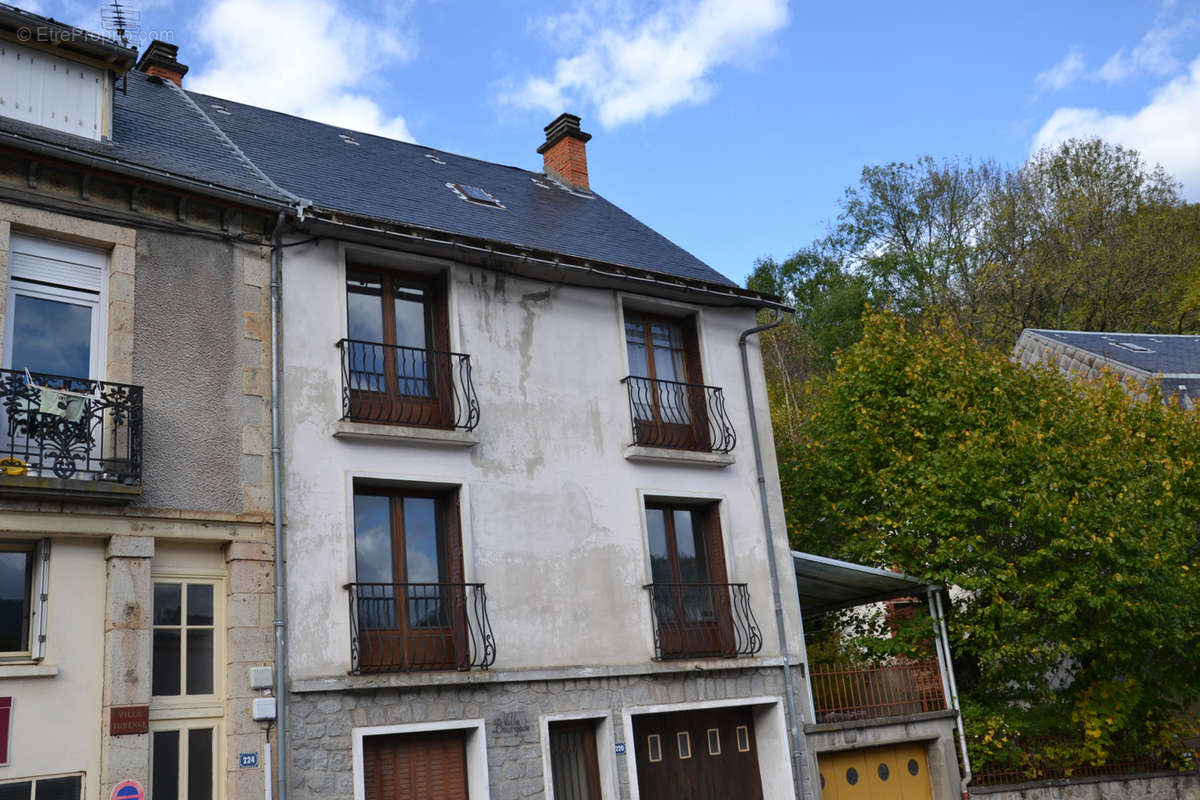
884,772
913,767
852,776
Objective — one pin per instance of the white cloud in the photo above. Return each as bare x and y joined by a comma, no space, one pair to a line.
1164,131
630,64
1153,55
1062,74
303,57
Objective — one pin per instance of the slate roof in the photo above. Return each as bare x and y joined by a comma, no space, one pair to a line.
395,181
156,126
1174,358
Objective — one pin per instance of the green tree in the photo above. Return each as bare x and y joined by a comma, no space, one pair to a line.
1085,236
1065,514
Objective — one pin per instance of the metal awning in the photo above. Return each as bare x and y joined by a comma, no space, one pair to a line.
827,584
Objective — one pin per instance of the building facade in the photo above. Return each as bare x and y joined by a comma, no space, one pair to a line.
136,545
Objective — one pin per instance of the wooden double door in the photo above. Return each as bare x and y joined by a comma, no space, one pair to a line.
710,754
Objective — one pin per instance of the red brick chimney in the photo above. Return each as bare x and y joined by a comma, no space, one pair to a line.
161,59
565,151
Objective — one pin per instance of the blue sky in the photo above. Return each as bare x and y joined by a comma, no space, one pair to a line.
731,127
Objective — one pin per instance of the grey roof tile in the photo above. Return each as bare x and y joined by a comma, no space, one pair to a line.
394,181
154,126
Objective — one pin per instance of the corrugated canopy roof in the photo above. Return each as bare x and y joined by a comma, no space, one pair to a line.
827,584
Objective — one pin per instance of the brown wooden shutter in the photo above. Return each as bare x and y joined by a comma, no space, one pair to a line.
711,517
417,766
717,574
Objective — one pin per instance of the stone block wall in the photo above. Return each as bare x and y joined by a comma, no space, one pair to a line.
320,723
1132,787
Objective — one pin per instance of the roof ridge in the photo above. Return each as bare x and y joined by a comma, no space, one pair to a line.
237,151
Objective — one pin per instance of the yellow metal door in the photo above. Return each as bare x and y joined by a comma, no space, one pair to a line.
896,772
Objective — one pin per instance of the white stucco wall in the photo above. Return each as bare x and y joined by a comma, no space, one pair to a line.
552,514
55,727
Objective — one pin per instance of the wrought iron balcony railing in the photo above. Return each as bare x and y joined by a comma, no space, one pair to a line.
680,416
698,620
56,426
398,627
844,692
407,386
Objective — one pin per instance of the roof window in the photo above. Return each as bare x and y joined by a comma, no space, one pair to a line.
474,194
1133,347
348,139
433,157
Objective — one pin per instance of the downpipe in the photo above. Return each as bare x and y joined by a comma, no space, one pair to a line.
280,621
962,733
792,717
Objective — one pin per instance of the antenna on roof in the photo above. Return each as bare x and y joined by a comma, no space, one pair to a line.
117,19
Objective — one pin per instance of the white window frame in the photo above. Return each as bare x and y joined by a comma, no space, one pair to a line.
184,726
34,780
197,706
48,261
38,590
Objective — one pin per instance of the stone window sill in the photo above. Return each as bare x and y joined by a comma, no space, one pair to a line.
662,455
27,669
405,434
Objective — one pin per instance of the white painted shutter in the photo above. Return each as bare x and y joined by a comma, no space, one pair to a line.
56,262
41,597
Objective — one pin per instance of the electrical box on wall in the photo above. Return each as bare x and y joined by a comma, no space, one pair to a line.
262,678
263,708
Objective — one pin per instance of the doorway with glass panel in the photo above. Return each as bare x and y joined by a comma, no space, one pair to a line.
399,366
667,393
689,592
410,605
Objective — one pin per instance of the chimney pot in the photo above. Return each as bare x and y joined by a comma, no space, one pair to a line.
161,59
565,151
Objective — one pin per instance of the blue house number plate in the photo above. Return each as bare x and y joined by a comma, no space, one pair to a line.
247,760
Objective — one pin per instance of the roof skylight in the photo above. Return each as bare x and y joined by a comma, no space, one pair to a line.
474,194
1133,347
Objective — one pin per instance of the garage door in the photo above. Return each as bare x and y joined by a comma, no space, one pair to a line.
898,772
416,766
697,755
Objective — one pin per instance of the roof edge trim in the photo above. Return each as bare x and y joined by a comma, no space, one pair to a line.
114,165
510,251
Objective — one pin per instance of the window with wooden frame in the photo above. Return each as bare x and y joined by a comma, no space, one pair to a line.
397,364
691,600
409,597
666,384
574,766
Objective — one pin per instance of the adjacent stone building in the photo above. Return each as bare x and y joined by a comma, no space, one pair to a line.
136,546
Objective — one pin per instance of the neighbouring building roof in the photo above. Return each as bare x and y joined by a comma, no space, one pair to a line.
157,127
1171,359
